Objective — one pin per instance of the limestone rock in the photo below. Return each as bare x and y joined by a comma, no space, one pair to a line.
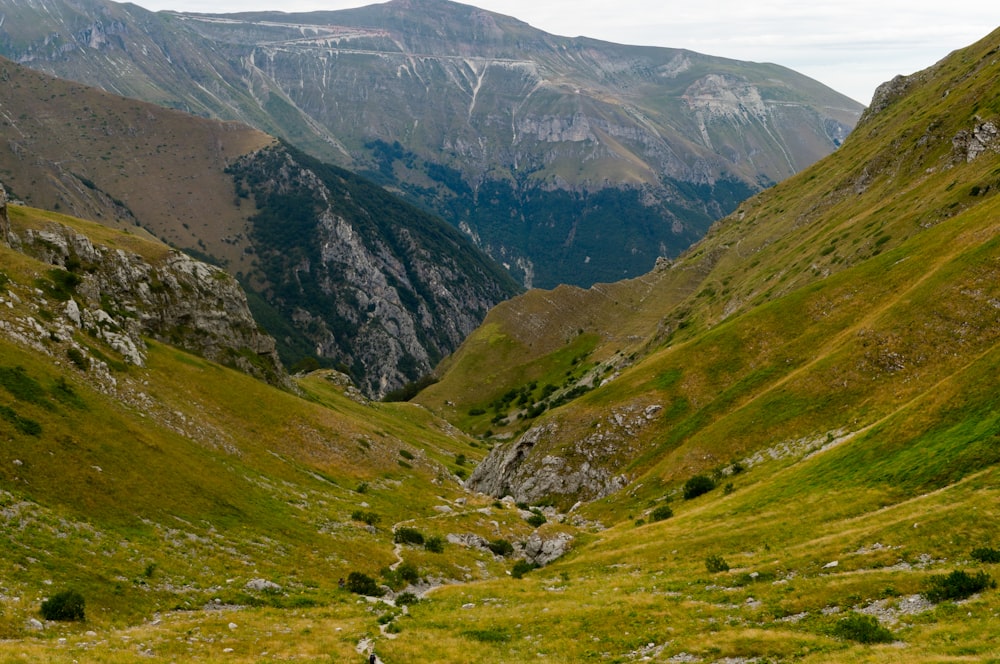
4,221
969,144
543,550
262,585
122,297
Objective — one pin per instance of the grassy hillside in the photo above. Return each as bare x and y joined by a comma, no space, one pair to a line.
835,392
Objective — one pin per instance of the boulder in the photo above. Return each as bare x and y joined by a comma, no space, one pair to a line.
543,550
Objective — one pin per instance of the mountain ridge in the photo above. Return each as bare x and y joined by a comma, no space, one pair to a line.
166,174
518,137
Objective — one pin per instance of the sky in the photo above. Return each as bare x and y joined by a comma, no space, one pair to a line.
850,45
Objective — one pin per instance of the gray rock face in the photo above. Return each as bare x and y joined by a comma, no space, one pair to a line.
4,221
120,297
970,144
588,471
543,550
380,287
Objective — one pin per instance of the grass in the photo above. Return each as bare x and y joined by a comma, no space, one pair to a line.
858,397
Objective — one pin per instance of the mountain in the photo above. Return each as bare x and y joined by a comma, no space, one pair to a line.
835,309
341,272
567,160
801,410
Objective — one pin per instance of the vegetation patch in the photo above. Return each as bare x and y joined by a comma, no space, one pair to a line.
863,629
697,486
489,635
66,605
957,585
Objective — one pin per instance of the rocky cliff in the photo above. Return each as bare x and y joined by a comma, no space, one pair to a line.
365,281
121,297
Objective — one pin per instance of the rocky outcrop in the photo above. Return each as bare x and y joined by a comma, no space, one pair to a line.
4,221
541,551
969,144
512,470
529,469
121,297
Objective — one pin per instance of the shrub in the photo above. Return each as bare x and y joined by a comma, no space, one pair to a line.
362,584
404,599
78,358
660,513
863,629
65,605
501,547
986,555
957,585
715,564
434,544
408,572
697,485
536,519
365,517
405,535
521,567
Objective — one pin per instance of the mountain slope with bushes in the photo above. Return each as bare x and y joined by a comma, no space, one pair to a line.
827,306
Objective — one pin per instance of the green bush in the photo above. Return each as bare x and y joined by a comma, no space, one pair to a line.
78,358
521,567
863,629
660,513
434,544
405,535
365,517
501,547
65,605
986,555
408,572
715,564
957,585
697,485
405,599
362,584
536,519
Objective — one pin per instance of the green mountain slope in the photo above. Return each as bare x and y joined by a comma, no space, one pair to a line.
567,160
820,307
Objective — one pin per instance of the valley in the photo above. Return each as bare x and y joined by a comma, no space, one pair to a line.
779,445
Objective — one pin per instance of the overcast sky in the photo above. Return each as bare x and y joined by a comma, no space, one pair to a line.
850,45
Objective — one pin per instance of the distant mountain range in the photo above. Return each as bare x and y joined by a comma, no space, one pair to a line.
566,160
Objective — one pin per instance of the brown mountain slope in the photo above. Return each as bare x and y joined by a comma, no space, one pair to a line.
97,156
